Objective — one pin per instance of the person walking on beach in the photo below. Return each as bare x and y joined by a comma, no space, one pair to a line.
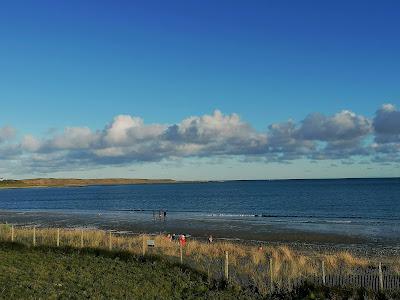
210,239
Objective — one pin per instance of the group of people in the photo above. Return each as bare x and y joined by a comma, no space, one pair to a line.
161,216
179,237
182,240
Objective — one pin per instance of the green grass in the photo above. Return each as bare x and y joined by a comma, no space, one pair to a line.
68,273
49,273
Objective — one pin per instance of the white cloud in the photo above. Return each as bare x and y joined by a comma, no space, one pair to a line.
126,130
344,125
215,134
387,124
73,138
128,139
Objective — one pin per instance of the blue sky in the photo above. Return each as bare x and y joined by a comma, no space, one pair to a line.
83,63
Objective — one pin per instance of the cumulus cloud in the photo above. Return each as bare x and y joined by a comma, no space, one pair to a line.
73,138
345,125
320,137
125,130
128,139
214,134
387,124
209,128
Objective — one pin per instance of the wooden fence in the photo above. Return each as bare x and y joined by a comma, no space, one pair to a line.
373,277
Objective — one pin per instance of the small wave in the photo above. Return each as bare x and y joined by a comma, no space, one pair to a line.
230,215
332,219
338,221
293,221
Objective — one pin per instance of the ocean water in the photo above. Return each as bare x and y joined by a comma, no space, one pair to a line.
356,207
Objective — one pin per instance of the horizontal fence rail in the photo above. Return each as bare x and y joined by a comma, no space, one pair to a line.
267,269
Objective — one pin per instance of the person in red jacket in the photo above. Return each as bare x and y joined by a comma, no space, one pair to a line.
182,240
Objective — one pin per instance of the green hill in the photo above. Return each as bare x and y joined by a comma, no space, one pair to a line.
49,273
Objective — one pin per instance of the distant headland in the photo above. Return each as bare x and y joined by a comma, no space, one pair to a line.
68,182
77,182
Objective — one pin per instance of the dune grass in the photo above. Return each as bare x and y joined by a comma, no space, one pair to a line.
248,265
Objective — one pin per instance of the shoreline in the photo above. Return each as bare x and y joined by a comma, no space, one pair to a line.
302,241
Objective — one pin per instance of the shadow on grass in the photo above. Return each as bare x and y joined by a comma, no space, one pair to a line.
125,256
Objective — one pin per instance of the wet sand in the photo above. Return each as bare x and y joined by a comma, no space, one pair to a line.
230,229
220,229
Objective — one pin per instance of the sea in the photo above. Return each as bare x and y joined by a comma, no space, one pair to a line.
361,208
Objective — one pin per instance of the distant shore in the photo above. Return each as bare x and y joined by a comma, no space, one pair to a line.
79,182
75,182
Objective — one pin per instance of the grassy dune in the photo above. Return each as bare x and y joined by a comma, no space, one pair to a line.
65,273
45,272
248,264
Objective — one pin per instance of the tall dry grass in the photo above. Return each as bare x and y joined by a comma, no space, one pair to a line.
247,263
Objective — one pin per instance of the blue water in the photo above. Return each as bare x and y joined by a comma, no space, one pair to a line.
352,206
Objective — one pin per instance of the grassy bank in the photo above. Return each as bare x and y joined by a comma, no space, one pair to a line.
53,273
248,265
66,273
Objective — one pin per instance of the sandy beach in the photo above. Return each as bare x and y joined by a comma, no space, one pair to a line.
200,229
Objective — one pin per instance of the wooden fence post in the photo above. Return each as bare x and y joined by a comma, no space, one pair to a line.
380,277
181,252
110,241
226,269
58,237
271,274
81,238
12,233
34,235
323,273
143,245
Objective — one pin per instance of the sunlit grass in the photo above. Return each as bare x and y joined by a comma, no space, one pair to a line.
247,261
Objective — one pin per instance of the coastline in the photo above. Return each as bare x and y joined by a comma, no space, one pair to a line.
79,182
302,216
75,182
302,241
